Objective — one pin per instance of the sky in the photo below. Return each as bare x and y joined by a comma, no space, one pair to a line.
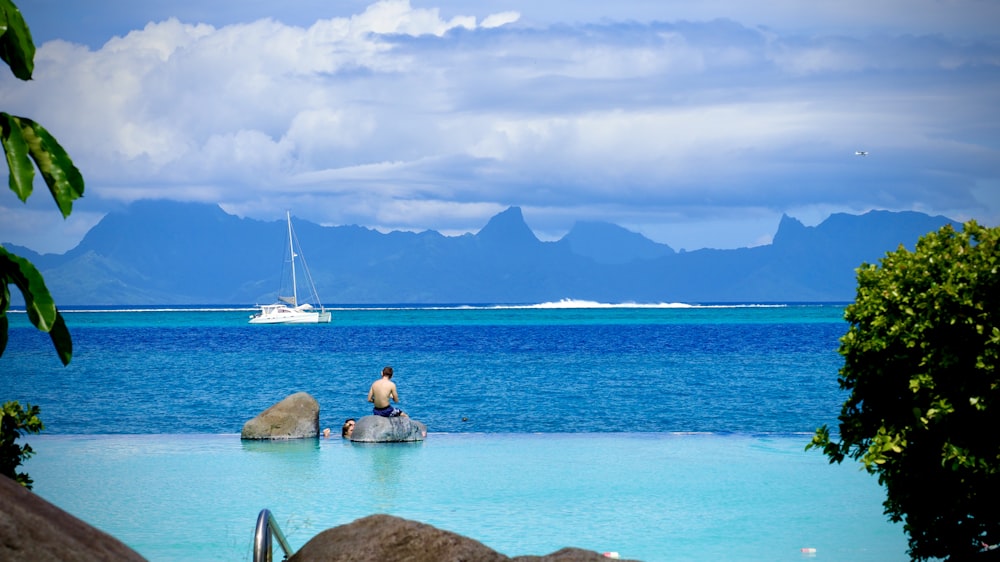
695,123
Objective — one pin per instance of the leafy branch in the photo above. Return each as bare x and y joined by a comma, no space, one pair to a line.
27,145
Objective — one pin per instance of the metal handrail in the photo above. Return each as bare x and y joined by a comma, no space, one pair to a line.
266,528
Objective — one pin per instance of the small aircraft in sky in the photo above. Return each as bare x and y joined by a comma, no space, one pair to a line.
861,153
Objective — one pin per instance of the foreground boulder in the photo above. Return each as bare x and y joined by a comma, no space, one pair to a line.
295,417
34,530
379,429
379,538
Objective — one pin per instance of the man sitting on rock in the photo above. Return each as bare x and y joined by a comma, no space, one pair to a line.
381,392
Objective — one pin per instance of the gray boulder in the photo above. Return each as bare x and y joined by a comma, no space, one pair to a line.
378,538
295,417
34,530
379,429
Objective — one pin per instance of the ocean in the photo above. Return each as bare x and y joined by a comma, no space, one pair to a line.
561,424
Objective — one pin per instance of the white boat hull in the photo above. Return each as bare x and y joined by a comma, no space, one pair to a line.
281,314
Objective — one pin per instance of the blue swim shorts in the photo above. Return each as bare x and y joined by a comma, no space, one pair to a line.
387,412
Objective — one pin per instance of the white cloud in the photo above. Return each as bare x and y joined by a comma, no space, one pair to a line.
397,16
401,113
499,20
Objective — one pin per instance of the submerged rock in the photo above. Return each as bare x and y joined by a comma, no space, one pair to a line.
33,530
378,538
295,417
379,429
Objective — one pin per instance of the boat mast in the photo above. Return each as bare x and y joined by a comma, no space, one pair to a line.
291,250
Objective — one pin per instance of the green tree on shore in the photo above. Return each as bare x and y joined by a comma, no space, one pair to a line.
15,420
921,361
26,144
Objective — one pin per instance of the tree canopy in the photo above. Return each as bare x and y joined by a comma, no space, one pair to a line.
920,362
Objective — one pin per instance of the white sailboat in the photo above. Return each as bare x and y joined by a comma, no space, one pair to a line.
288,310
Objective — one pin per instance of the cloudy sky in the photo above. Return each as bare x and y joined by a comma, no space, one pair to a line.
695,123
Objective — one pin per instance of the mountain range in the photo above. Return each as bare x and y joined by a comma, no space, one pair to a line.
169,253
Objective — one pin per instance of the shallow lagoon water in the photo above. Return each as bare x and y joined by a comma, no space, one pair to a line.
648,496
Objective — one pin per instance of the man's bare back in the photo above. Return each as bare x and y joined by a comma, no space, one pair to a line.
381,392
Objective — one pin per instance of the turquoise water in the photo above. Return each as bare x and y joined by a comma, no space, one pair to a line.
660,432
654,497
491,370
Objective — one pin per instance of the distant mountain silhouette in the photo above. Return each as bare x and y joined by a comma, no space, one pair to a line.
609,243
507,233
161,252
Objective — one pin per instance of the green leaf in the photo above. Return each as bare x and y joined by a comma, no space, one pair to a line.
3,332
37,300
16,47
63,178
59,334
22,172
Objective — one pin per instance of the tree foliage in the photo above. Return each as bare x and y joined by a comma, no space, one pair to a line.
27,145
15,420
921,363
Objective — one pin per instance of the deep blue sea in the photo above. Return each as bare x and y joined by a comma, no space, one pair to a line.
727,369
663,433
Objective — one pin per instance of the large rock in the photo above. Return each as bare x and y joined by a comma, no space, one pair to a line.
295,417
34,530
379,429
378,538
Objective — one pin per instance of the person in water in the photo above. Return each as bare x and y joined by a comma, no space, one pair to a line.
348,428
380,394
346,431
